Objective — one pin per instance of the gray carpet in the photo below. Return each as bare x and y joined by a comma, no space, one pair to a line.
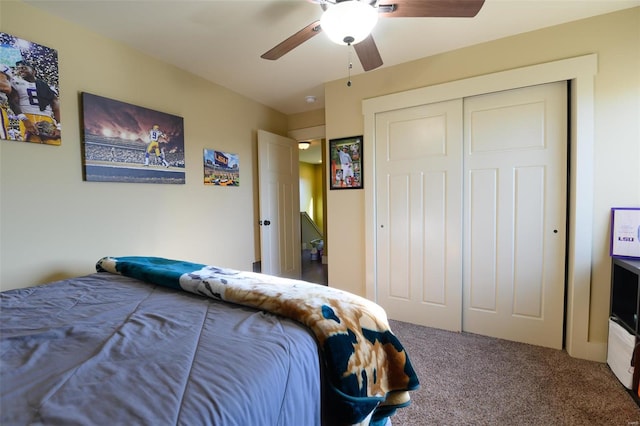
467,379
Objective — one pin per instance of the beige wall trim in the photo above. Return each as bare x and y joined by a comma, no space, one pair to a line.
580,71
316,132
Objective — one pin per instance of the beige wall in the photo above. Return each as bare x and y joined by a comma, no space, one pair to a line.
307,183
54,225
305,120
615,38
311,193
318,195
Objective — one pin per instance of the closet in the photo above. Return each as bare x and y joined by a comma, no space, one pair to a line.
470,218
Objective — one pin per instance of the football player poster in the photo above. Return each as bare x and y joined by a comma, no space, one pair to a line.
29,92
346,163
129,143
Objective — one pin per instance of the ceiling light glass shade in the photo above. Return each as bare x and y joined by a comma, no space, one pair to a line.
304,145
349,22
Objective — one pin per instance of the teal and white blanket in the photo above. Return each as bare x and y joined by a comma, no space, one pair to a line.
366,366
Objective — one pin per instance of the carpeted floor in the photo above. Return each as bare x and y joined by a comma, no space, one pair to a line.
467,379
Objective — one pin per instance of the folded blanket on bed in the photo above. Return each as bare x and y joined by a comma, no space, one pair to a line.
367,368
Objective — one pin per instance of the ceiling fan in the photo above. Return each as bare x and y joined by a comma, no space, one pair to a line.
369,10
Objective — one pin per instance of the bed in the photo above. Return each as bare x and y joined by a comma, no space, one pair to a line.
154,341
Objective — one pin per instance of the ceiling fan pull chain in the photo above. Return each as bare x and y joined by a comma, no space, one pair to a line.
350,65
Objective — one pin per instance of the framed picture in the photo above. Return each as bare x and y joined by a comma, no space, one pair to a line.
346,163
29,106
221,168
625,232
129,143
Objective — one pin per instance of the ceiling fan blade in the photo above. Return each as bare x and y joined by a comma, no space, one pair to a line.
429,8
294,41
368,54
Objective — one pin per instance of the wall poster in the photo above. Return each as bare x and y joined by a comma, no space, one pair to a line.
129,143
221,168
345,155
29,92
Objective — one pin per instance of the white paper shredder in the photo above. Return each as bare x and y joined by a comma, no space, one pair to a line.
620,353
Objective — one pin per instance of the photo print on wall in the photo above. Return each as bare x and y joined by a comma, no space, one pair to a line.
221,168
129,143
346,163
29,92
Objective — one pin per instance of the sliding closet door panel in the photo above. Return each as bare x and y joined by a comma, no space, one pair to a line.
419,213
515,157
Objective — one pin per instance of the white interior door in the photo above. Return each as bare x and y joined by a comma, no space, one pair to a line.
278,174
419,214
515,154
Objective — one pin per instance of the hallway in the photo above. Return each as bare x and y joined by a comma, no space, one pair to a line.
313,270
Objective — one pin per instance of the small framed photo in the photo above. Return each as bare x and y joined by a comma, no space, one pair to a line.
346,163
221,168
625,232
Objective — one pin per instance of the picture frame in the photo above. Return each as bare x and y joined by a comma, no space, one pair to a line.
345,156
221,168
127,143
625,232
30,110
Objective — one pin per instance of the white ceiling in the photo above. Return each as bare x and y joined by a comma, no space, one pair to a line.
222,40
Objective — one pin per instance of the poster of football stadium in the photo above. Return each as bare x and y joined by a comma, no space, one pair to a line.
129,143
29,92
221,168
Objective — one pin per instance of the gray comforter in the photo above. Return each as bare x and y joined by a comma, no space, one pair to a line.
110,350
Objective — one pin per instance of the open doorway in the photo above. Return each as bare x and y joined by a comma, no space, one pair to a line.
313,162
313,210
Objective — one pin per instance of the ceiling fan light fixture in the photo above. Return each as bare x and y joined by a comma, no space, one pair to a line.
304,145
349,21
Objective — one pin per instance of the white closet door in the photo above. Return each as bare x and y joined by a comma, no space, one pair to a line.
419,214
515,155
